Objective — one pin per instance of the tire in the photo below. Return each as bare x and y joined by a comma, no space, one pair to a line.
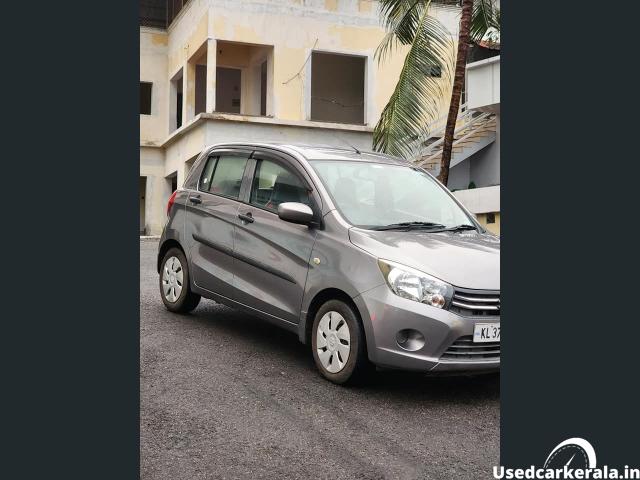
329,342
175,286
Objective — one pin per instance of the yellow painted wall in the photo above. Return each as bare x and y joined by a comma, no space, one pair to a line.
154,128
492,227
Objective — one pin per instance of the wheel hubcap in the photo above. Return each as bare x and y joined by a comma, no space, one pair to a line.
172,276
333,342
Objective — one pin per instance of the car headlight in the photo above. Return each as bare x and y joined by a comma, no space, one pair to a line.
415,285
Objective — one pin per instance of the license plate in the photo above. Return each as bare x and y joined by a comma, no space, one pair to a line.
486,332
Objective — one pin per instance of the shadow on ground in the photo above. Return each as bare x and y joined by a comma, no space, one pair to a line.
243,328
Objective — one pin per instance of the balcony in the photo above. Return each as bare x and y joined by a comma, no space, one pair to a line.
483,85
153,13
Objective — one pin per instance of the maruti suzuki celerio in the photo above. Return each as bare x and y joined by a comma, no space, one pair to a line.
368,258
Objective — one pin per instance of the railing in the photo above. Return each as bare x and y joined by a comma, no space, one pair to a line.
466,121
437,127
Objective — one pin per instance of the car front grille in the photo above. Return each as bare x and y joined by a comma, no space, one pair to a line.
473,303
464,349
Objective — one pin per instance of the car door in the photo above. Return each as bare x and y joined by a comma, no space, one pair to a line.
212,214
272,256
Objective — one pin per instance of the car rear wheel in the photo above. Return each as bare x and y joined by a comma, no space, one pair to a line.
174,283
338,343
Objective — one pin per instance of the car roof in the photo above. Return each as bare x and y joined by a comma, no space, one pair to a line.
321,152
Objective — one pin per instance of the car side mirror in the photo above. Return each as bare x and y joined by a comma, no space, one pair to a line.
295,212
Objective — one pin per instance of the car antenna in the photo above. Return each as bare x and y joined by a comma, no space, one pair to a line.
347,143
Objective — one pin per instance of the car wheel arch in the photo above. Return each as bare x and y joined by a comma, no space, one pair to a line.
318,300
165,247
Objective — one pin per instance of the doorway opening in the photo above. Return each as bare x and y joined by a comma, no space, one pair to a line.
176,99
142,196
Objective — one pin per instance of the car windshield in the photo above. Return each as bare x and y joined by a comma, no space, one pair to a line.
378,195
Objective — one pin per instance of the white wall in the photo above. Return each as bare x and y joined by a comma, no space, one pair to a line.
480,200
483,85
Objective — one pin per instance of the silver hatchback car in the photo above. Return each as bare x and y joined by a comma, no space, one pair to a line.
366,257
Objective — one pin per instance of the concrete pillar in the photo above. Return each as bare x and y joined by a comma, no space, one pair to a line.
181,173
156,197
211,74
270,97
185,95
190,91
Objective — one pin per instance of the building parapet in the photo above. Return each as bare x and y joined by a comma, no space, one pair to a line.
483,85
259,120
480,200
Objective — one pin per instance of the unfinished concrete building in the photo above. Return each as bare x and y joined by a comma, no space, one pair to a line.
299,71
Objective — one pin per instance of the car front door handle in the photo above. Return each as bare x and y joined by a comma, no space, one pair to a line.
246,217
195,200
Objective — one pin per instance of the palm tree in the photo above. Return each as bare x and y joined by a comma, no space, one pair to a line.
456,91
415,100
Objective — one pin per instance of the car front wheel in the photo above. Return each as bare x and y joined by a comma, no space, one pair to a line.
338,343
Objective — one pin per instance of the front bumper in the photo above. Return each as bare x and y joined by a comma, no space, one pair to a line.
384,314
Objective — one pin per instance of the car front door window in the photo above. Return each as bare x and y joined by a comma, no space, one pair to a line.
274,184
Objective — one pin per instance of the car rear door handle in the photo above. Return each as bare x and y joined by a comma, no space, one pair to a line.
246,217
196,200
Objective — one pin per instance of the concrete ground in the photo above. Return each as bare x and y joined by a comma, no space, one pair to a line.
225,395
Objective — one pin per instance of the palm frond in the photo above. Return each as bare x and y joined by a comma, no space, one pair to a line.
415,100
485,17
401,18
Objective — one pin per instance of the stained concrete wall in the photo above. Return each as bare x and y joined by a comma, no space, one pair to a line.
154,128
295,29
217,128
157,188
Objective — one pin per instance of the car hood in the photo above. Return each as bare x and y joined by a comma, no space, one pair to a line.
464,259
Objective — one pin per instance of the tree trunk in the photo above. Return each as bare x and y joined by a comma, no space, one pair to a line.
456,92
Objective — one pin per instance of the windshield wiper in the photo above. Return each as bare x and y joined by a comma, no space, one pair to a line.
410,226
459,228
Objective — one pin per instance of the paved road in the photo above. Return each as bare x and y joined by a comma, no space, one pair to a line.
225,395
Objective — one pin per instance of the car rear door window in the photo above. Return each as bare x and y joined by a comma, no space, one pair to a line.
223,175
274,184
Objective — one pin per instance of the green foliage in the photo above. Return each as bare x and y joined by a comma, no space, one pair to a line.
414,102
416,98
485,18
